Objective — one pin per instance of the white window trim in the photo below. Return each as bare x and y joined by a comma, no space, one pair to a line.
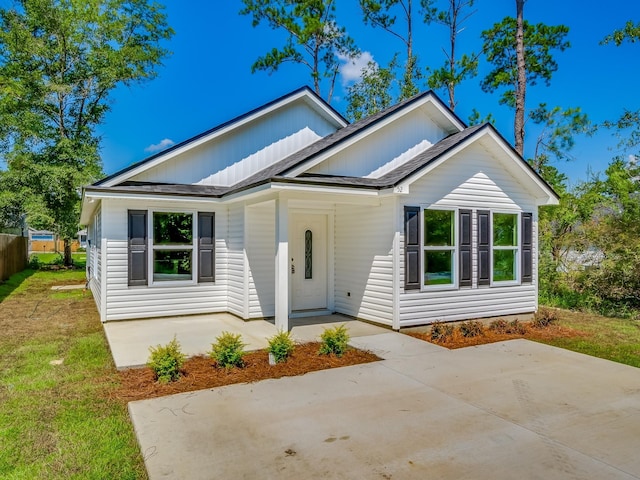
517,249
151,248
454,264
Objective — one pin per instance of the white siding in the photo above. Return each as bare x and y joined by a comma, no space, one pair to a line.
124,302
472,179
235,257
386,149
261,250
232,157
94,258
364,261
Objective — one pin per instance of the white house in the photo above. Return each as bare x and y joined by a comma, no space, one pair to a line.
404,218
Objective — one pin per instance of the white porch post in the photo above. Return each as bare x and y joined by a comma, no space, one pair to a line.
282,264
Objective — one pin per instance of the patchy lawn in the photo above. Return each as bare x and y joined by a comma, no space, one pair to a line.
59,420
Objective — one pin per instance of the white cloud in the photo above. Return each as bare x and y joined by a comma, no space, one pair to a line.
351,68
164,143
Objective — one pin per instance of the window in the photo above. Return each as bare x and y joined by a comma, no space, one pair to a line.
505,247
308,255
439,247
180,247
172,245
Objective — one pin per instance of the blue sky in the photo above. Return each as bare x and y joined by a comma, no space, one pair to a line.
208,80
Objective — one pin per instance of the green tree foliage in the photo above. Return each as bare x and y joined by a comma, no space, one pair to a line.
59,61
540,41
455,69
384,14
373,92
315,39
630,32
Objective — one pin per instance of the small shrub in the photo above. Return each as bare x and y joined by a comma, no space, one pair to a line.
441,332
499,326
281,346
227,351
471,328
544,317
166,361
35,263
334,340
516,327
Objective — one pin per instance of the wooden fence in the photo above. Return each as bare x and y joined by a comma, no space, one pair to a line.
13,255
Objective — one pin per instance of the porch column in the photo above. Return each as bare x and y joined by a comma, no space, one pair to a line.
282,264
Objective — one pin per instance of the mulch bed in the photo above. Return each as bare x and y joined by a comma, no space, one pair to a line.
458,341
201,373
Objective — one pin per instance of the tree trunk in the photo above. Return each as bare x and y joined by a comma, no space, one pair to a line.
521,82
68,261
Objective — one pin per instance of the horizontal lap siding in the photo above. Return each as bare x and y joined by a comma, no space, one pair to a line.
124,302
94,258
364,262
236,261
474,180
261,241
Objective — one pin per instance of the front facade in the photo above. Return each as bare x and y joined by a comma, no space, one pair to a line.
405,218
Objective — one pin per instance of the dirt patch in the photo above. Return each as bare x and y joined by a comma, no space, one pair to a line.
457,340
201,373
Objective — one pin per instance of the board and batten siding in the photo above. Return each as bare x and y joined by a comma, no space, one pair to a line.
232,157
261,250
236,261
364,261
473,179
125,302
384,150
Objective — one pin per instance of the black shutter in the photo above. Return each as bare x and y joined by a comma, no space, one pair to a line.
138,247
484,248
527,247
465,248
206,247
411,248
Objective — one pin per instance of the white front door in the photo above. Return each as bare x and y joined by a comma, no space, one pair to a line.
308,266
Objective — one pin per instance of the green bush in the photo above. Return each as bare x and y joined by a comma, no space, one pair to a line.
281,346
34,262
334,340
544,317
471,328
499,326
228,350
166,361
441,332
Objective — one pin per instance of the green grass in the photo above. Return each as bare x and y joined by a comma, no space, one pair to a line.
616,339
79,258
59,421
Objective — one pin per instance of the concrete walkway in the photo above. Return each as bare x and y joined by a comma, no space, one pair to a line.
130,340
509,410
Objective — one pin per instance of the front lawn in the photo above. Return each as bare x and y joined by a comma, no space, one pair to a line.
58,419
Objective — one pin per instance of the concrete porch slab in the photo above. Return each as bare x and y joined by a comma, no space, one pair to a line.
130,340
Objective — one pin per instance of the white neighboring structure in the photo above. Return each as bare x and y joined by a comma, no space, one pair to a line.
404,218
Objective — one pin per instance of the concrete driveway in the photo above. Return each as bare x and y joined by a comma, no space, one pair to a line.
508,410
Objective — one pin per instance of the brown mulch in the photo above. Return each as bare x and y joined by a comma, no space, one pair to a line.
458,341
201,373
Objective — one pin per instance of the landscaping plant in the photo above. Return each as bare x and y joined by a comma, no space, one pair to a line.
471,328
166,361
517,327
441,332
499,326
334,340
281,346
228,350
544,317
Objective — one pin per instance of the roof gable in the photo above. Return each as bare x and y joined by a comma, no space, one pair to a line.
324,118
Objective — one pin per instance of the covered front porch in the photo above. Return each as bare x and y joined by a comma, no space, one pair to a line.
335,252
130,340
